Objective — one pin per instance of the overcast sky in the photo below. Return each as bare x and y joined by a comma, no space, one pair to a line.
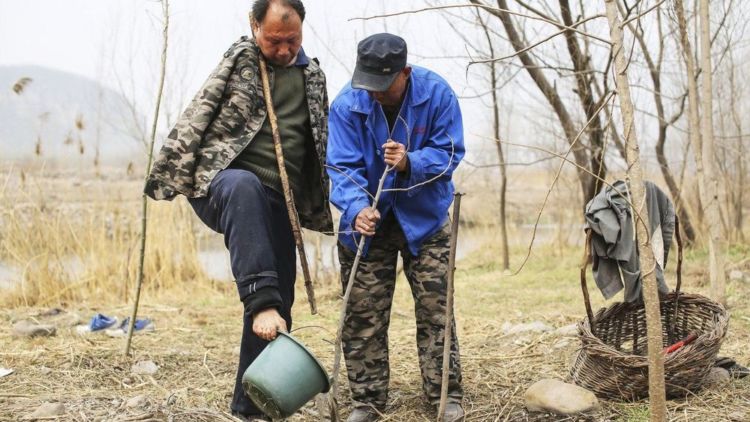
117,42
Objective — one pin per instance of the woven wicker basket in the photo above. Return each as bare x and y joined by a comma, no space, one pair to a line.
612,360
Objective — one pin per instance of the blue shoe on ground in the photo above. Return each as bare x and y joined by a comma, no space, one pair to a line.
140,325
101,322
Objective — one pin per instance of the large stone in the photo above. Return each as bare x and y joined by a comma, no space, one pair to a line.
531,327
26,328
47,411
555,396
145,367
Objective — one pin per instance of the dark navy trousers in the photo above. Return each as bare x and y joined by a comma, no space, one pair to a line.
255,223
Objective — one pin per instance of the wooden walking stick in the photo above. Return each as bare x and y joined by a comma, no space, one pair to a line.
347,293
291,209
350,284
448,332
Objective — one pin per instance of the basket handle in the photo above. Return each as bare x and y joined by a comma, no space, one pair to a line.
678,236
584,287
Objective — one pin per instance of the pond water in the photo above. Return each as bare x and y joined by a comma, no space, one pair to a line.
322,254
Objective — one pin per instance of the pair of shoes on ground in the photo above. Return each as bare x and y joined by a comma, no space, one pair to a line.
110,326
454,412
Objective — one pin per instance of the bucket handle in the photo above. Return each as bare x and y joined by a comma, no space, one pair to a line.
319,327
587,258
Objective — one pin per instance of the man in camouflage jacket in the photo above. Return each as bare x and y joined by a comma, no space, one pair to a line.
220,156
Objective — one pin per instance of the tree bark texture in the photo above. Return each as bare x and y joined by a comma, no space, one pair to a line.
657,392
716,244
655,67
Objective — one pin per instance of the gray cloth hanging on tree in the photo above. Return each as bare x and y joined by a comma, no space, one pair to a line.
613,242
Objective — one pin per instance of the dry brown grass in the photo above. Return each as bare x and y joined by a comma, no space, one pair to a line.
198,321
75,239
198,328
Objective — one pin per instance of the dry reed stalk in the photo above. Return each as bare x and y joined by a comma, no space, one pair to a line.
144,198
75,243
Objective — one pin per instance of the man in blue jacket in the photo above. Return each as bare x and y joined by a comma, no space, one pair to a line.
405,118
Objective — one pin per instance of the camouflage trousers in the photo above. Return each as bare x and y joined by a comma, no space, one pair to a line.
365,336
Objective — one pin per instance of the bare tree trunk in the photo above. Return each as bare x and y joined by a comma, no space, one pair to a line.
739,166
654,67
584,80
716,245
693,118
500,153
657,392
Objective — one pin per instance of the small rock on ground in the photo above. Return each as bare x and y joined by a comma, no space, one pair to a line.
145,367
67,320
561,344
551,395
137,402
567,330
717,376
738,416
531,327
60,318
736,275
26,328
47,411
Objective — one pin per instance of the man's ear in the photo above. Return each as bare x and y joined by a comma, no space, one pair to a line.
407,71
254,26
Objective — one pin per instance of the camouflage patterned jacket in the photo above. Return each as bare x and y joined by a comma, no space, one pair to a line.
221,121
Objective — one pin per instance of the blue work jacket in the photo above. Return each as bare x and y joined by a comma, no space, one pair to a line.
431,129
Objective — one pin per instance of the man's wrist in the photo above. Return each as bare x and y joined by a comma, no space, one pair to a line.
405,165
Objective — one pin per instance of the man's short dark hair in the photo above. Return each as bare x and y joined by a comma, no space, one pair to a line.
260,7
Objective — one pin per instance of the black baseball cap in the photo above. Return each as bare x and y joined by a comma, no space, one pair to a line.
380,58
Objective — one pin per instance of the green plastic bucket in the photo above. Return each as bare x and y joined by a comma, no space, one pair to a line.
284,377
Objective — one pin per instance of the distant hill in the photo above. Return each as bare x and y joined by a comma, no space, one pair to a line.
61,117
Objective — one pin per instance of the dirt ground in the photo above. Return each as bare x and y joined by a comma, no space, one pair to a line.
195,346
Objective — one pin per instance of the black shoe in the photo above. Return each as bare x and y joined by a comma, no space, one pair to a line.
454,412
250,418
363,414
735,370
